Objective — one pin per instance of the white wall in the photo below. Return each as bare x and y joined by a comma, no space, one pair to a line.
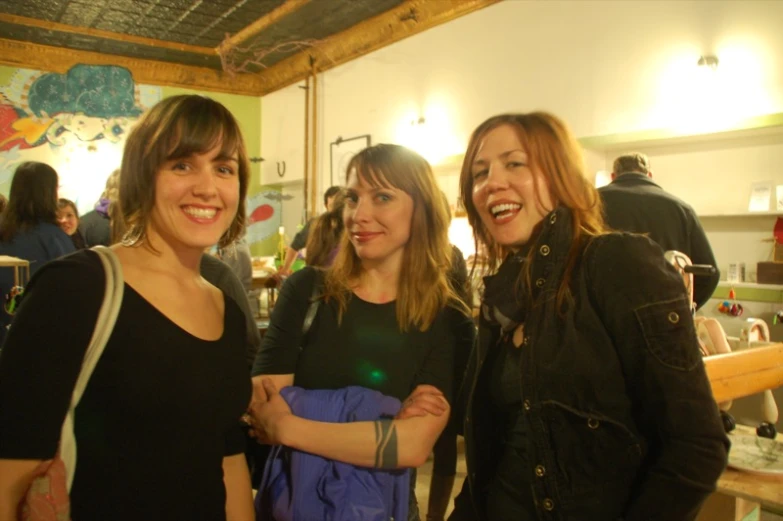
603,66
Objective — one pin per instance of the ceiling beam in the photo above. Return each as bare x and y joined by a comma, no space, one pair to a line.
262,23
409,18
109,35
28,55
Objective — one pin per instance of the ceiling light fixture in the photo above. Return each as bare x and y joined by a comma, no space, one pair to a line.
708,61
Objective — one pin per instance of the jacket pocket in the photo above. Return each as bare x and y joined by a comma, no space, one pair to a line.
669,334
597,460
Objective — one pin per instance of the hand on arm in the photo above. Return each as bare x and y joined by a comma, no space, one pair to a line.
290,257
239,494
384,443
15,478
424,400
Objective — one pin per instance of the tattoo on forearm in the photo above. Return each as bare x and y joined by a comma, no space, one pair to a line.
385,444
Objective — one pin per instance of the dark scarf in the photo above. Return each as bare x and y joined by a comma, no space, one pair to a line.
505,293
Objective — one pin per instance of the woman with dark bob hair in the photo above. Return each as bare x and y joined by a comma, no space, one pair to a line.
28,226
157,428
587,397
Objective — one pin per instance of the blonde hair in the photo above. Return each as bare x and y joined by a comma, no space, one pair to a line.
423,289
552,150
111,190
176,127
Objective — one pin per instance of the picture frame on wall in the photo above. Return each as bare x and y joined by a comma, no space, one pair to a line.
761,194
341,150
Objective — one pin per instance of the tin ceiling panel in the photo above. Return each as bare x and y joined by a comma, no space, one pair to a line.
313,22
225,45
195,22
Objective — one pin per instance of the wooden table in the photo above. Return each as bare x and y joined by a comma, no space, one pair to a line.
741,494
263,279
17,263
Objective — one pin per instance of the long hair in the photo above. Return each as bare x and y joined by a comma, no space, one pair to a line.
552,150
32,199
325,233
423,288
176,127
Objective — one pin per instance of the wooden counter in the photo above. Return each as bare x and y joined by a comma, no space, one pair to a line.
741,494
760,488
19,265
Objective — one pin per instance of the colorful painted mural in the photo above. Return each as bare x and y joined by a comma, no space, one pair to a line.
76,122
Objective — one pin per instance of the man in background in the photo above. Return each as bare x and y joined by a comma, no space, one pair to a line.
300,239
95,225
634,203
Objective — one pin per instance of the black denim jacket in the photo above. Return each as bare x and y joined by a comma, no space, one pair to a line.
619,409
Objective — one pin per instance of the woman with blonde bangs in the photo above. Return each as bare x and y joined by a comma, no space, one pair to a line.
158,427
388,320
585,397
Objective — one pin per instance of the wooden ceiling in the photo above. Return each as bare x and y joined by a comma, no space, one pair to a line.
250,47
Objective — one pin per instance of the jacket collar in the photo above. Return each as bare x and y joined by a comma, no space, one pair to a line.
504,302
634,179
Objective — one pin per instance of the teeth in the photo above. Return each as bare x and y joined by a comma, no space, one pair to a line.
504,208
201,213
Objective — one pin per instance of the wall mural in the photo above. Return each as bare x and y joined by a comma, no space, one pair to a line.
77,122
263,218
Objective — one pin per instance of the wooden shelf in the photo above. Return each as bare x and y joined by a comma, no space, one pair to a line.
284,182
757,127
750,285
740,214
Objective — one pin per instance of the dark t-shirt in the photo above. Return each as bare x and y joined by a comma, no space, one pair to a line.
158,416
95,227
300,239
366,349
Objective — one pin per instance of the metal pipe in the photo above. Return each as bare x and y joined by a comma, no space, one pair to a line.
315,138
306,143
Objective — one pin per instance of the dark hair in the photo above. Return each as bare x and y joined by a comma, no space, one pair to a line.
177,127
325,233
62,203
33,199
331,192
3,203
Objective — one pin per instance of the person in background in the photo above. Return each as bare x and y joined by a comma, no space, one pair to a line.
300,239
94,225
586,392
29,227
3,203
323,240
157,428
444,460
388,321
239,262
68,218
633,202
239,259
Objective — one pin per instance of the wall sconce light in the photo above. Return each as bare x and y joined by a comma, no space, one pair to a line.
708,61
